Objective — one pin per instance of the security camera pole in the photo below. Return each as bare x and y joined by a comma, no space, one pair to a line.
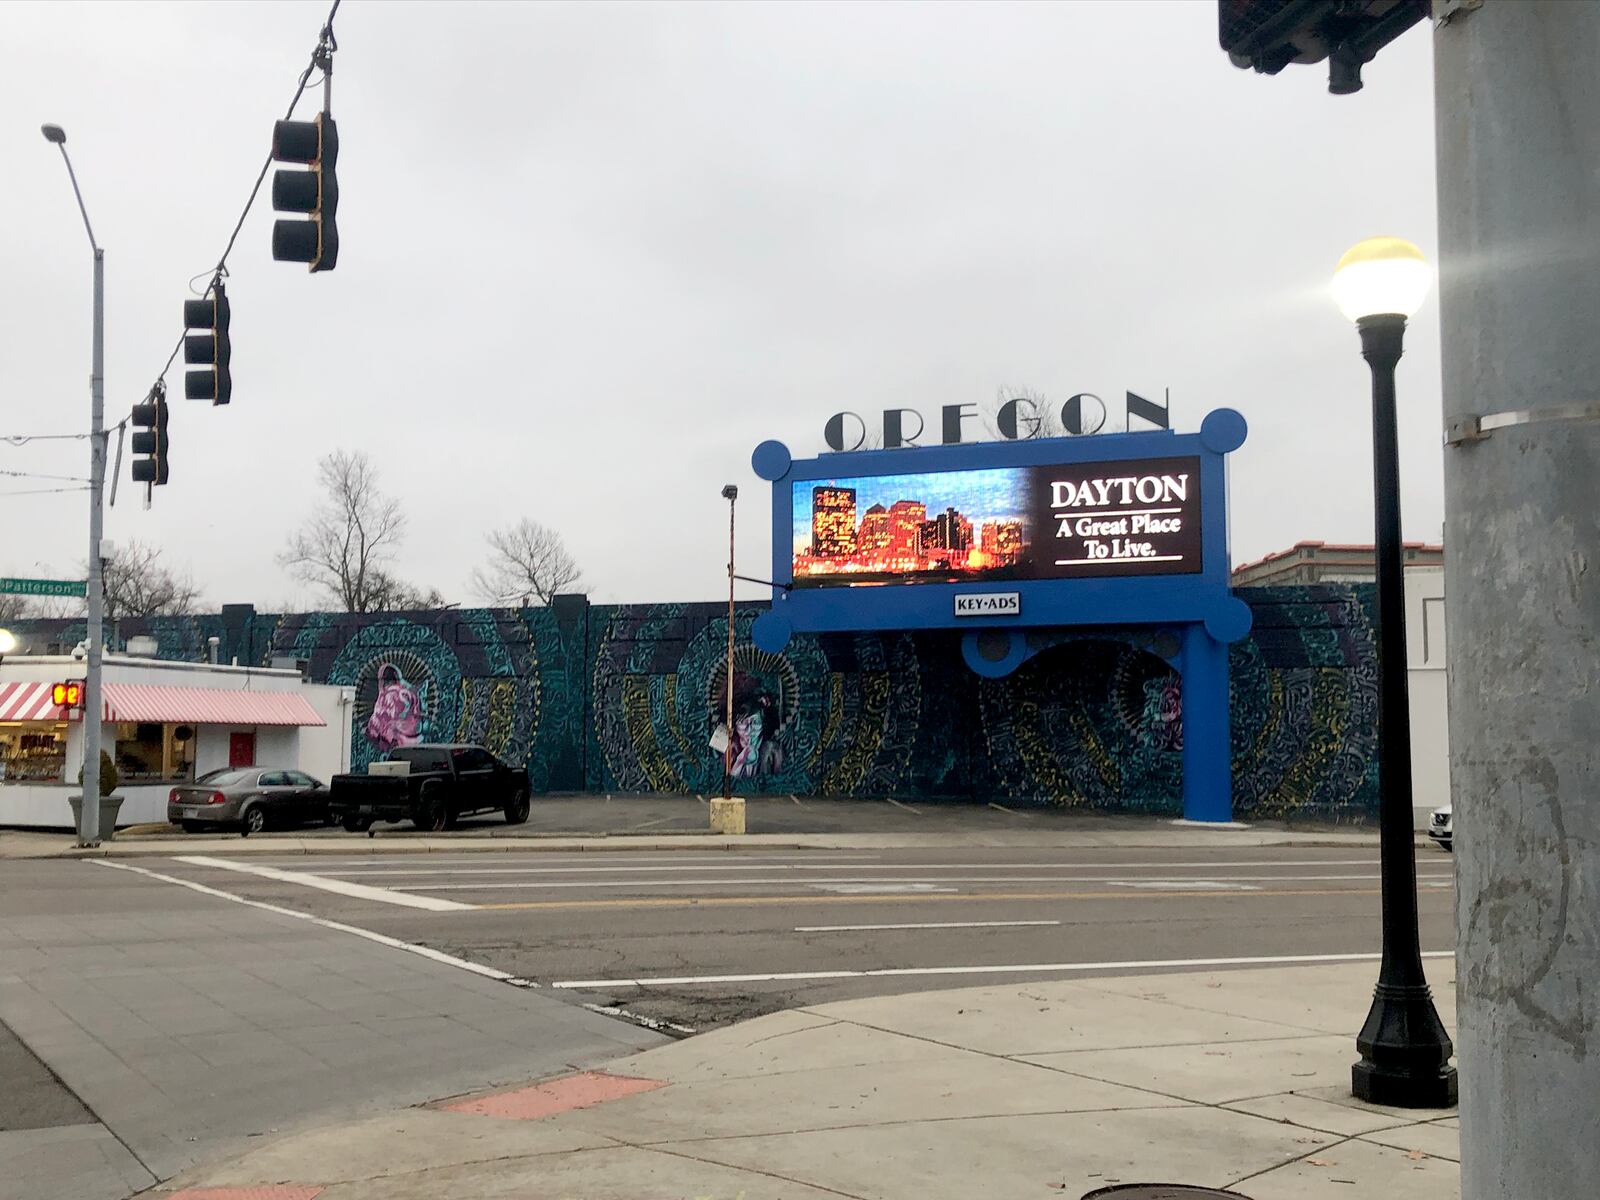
89,824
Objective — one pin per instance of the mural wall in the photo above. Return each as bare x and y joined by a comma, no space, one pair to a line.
627,698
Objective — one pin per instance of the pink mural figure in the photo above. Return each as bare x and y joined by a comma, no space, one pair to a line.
396,718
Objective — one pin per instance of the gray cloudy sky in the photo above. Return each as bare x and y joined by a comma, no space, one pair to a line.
592,254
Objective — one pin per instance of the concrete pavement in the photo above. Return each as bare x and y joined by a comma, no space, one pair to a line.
185,1024
1233,1079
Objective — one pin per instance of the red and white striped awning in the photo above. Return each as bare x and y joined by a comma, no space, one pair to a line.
155,704
207,706
28,702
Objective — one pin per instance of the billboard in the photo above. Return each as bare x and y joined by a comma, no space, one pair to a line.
1117,517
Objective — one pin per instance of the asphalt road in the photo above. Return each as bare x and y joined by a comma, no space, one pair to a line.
702,938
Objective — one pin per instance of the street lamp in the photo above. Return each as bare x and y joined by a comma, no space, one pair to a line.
1405,1051
8,643
730,493
89,823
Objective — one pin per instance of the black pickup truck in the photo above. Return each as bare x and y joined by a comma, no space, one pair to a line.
440,784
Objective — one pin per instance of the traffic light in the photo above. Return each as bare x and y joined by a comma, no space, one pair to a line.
1270,34
211,349
150,439
316,191
67,695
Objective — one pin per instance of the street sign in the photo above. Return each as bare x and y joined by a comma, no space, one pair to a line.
43,587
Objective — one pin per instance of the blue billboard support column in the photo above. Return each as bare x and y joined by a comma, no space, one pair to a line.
1207,772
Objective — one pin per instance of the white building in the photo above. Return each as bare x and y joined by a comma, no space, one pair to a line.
163,723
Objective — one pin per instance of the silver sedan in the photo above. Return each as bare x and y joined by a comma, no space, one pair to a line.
249,799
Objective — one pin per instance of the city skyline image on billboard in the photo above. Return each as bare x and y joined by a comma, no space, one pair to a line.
932,527
1079,520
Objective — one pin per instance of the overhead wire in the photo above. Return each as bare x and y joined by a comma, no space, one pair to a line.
326,44
22,439
42,475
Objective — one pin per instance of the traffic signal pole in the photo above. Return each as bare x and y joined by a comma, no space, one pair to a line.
1517,87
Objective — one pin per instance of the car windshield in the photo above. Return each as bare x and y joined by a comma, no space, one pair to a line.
228,775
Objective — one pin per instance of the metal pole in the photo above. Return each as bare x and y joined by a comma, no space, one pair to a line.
89,821
1405,1051
1519,223
727,753
89,832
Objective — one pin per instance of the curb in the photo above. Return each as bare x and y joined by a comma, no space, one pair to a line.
619,843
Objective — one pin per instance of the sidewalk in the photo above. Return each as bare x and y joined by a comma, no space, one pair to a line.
683,822
1234,1079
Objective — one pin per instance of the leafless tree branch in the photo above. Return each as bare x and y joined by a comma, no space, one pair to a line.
355,529
526,561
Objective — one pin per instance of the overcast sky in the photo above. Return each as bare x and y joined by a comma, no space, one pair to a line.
593,254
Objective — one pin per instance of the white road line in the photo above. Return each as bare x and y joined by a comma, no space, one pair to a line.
907,807
817,863
920,925
1186,885
357,891
1014,969
624,884
427,952
621,861
883,888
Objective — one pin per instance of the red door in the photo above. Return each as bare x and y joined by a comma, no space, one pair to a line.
242,749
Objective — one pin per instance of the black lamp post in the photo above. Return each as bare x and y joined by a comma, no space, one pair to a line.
1405,1051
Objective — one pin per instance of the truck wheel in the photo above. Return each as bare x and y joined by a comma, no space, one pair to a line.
517,809
355,824
431,815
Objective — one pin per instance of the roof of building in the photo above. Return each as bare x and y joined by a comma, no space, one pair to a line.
1333,548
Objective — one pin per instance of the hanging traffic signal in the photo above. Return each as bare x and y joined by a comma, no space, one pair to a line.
315,143
150,439
211,349
1270,34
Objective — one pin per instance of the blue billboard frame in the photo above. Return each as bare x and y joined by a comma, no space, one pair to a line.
1199,608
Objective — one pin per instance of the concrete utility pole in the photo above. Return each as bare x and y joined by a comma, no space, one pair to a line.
89,823
1517,92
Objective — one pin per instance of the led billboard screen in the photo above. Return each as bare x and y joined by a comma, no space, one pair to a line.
1070,521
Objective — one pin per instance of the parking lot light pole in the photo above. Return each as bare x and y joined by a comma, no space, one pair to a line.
1405,1051
89,822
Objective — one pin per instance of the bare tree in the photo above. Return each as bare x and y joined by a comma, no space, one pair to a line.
527,560
345,542
137,585
15,608
390,594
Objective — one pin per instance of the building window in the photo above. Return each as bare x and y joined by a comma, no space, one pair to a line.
33,751
153,753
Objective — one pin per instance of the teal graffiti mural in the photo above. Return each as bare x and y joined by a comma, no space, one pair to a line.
622,698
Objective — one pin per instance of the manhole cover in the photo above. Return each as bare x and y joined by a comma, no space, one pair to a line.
1160,1191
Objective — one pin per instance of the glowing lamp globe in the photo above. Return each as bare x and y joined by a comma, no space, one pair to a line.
8,642
1380,276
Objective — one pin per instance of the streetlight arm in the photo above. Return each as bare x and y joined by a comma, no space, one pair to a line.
73,175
